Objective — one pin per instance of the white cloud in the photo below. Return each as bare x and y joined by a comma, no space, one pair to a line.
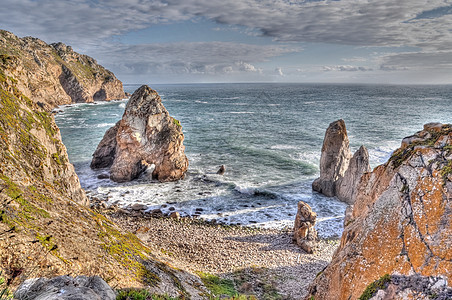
279,71
346,68
351,22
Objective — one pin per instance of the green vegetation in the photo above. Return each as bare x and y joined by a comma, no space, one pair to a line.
218,286
126,249
131,294
372,288
4,291
402,154
176,122
446,170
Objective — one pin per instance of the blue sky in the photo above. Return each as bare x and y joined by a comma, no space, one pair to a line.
345,41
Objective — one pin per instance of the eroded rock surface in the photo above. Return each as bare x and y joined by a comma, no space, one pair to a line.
55,74
334,159
401,220
413,287
347,185
65,288
340,173
146,135
305,234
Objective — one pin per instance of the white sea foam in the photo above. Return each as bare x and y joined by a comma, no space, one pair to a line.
101,125
271,160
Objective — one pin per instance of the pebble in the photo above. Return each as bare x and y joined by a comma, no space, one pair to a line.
138,206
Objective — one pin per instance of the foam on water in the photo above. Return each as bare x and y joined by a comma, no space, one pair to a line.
269,136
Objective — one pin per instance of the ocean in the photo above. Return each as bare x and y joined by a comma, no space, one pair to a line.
269,136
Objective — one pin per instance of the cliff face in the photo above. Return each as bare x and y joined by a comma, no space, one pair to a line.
54,74
146,135
46,229
401,220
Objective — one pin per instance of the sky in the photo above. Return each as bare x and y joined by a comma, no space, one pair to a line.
194,41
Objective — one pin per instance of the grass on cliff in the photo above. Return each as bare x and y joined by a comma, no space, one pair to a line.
373,288
402,154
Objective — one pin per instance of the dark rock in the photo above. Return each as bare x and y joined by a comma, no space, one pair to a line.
65,288
138,206
221,170
103,176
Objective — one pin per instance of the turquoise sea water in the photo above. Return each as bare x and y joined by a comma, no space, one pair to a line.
269,137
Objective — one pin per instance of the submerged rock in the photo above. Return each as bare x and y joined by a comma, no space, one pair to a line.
340,173
305,234
400,222
146,135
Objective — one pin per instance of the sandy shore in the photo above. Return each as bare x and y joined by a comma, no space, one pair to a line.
262,262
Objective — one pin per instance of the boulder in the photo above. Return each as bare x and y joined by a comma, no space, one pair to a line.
221,170
305,234
400,222
334,159
146,135
340,173
65,287
347,185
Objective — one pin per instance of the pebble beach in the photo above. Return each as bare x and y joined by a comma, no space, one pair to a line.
261,262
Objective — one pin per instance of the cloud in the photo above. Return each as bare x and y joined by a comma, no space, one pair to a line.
437,61
190,58
350,22
279,71
92,26
346,68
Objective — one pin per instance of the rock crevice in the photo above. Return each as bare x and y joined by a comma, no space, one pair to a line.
401,221
340,172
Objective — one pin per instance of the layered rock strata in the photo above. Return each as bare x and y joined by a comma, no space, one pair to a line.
401,220
305,234
340,172
147,135
55,74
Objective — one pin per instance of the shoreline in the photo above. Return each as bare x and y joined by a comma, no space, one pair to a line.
261,262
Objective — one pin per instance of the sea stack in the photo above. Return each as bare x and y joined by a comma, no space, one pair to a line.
400,224
340,173
146,135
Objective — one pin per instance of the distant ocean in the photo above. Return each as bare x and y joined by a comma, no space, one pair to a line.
269,137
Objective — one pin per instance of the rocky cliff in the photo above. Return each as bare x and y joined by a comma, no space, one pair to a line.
54,74
145,136
46,229
401,220
340,172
